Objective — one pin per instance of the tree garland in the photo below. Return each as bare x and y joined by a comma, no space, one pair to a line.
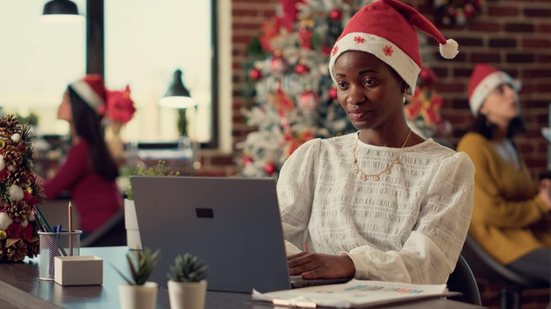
455,12
19,192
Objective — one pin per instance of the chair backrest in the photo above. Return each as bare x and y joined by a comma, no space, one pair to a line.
111,233
462,280
484,265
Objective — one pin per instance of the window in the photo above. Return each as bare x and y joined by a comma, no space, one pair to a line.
145,42
37,60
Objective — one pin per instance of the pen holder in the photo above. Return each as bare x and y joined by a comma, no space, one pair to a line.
52,244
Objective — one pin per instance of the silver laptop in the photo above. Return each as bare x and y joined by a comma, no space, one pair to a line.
233,224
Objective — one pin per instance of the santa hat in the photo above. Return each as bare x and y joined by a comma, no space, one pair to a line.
91,90
385,28
484,79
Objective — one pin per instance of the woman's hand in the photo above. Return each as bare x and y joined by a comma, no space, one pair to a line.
321,266
545,191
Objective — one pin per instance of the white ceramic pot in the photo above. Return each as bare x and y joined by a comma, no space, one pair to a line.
133,240
187,295
138,296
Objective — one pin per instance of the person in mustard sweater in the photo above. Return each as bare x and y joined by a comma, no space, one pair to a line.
511,215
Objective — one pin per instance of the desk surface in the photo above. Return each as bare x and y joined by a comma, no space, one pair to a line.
20,287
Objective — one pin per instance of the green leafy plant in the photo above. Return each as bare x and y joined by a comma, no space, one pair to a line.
141,265
187,268
160,169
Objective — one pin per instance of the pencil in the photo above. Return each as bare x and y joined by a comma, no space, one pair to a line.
70,218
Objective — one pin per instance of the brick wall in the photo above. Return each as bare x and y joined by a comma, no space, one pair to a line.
514,35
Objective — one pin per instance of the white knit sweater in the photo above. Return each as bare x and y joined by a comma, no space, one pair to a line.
408,227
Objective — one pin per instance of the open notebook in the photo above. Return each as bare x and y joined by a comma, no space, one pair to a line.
233,224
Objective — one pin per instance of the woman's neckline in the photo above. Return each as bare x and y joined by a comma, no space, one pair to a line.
366,145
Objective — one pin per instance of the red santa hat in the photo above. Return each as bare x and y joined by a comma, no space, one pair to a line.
484,79
92,90
385,28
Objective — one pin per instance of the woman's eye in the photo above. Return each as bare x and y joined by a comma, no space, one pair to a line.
370,82
342,85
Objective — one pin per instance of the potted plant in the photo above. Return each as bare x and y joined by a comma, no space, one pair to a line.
137,292
187,286
133,240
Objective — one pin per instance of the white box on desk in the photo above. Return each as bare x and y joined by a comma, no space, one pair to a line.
78,270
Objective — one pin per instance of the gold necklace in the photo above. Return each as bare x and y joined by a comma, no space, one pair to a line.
395,160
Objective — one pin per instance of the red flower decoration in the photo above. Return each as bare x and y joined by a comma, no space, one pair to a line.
14,230
427,104
27,232
388,50
359,39
29,198
119,106
4,174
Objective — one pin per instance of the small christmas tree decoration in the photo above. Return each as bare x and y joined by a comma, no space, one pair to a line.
19,192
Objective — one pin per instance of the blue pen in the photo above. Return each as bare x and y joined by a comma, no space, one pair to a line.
58,228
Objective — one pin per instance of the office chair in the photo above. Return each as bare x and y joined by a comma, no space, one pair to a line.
485,266
111,233
462,280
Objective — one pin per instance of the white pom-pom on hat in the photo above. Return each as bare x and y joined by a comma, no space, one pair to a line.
450,49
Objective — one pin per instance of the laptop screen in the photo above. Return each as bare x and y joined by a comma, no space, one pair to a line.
233,224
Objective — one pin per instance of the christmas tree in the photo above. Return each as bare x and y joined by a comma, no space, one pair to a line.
294,96
19,192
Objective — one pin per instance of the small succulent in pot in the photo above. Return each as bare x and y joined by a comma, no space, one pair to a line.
187,268
141,264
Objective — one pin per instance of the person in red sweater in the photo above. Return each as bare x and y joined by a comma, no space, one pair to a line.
89,171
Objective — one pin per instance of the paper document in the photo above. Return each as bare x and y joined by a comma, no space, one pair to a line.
353,294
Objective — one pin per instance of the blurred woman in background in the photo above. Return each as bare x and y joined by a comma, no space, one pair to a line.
511,213
89,171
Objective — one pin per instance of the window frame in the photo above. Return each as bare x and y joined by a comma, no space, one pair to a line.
95,58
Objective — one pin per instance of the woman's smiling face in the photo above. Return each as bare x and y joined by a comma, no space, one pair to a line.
368,90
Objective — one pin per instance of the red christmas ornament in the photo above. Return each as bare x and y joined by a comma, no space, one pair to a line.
333,93
305,36
335,14
255,74
270,168
246,160
308,101
278,65
302,69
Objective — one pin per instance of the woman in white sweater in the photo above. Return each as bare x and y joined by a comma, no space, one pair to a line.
381,203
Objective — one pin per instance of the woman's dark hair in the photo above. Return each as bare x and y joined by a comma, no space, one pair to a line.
484,127
87,125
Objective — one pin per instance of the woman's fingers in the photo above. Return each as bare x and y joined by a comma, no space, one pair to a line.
317,266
